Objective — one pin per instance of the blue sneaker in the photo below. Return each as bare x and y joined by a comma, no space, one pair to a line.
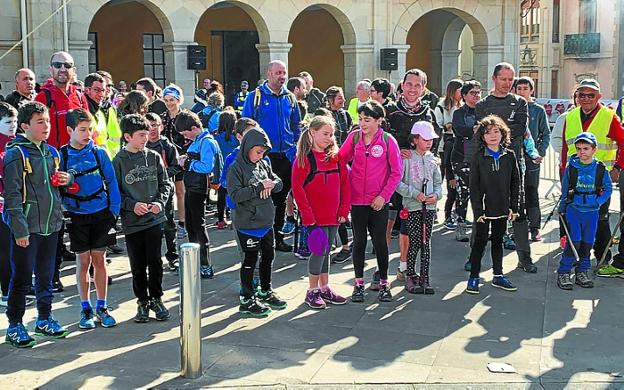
18,336
509,243
303,253
50,328
450,224
206,272
288,228
86,319
105,319
503,283
473,286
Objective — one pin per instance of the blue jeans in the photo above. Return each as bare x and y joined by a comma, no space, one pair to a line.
40,255
582,228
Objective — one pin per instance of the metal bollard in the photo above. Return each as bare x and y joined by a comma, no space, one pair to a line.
190,312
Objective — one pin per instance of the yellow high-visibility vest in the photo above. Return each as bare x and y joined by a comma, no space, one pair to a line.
107,132
599,126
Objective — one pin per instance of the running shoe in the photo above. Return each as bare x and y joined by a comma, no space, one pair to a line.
564,281
272,300
473,286
142,314
342,257
104,318
358,293
181,233
330,296
18,336
583,280
288,228
503,283
253,308
384,293
206,271
158,307
86,319
51,328
314,300
450,224
610,271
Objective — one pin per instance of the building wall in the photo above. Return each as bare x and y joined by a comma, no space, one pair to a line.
9,35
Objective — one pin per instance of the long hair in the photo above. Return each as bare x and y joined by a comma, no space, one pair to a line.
227,119
330,95
305,144
451,88
496,121
133,103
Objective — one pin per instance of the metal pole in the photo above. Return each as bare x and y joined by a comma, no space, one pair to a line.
190,312
24,30
65,27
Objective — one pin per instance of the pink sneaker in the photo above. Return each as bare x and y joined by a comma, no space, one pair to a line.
328,295
314,300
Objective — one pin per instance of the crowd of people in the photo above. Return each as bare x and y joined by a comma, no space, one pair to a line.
288,157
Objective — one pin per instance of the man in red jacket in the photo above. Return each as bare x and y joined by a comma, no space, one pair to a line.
60,96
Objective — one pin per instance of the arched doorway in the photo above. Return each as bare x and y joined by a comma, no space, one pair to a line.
442,43
141,54
322,56
230,31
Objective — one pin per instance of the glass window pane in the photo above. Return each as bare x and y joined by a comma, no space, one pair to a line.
147,57
158,40
147,41
158,57
147,71
159,71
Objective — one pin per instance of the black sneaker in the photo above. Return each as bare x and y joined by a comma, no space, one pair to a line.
271,299
384,293
583,280
174,264
281,246
358,294
67,255
342,257
253,308
428,289
159,309
564,281
114,249
142,314
57,286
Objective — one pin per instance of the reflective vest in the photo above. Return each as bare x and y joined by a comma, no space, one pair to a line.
599,126
352,109
107,133
240,100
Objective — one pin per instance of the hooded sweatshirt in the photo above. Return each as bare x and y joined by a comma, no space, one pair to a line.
586,182
142,178
41,212
375,168
59,104
415,171
81,161
244,181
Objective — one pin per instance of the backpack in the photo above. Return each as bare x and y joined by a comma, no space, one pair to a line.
356,139
97,167
314,170
258,98
573,181
28,168
205,119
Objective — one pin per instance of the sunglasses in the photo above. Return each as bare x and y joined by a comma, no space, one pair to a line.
586,95
66,65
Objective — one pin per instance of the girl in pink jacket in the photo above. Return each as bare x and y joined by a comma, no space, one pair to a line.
376,170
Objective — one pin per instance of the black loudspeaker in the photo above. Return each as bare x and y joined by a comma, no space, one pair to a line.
389,59
196,57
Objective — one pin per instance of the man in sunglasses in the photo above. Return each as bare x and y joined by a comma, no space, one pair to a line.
592,116
60,96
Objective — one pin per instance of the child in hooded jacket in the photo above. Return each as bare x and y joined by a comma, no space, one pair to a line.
321,189
376,170
421,188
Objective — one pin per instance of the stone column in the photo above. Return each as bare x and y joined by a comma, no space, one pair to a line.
176,68
272,51
484,59
450,66
397,76
80,51
359,64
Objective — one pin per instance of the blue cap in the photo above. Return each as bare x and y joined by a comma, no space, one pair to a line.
586,137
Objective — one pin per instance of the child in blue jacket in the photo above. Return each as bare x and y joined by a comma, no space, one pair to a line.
93,202
585,186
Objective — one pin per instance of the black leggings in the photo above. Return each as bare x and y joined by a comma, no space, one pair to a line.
282,167
481,238
194,205
264,246
364,219
342,233
221,192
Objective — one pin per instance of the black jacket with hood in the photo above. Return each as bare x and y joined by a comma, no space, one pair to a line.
244,180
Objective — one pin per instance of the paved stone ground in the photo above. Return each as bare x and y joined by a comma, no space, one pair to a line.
554,339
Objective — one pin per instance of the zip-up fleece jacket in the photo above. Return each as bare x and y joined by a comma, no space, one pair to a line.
327,196
82,160
376,168
277,116
244,179
415,170
585,182
59,104
464,147
204,158
494,185
142,178
513,110
401,119
41,213
169,154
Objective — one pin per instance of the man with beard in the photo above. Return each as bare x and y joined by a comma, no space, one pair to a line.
24,88
314,97
276,111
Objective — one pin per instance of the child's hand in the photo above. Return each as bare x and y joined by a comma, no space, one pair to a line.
512,216
481,219
23,242
268,184
182,159
265,194
141,208
421,197
62,177
378,203
342,220
538,160
452,183
431,199
615,175
406,154
154,208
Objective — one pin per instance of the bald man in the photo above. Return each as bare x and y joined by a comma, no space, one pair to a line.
24,88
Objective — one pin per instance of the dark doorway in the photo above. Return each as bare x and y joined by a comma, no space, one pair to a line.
240,60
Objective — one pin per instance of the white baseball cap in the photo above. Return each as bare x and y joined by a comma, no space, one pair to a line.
425,130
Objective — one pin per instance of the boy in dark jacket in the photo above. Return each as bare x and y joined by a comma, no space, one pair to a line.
93,202
580,201
169,154
32,209
494,195
144,188
201,162
251,182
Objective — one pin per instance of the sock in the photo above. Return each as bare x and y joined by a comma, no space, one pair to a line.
85,305
383,282
403,266
359,281
100,304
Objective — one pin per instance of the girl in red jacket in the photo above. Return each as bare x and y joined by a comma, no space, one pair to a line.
320,186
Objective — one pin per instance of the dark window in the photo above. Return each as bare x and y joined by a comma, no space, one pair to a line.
554,84
93,52
555,22
530,24
154,58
